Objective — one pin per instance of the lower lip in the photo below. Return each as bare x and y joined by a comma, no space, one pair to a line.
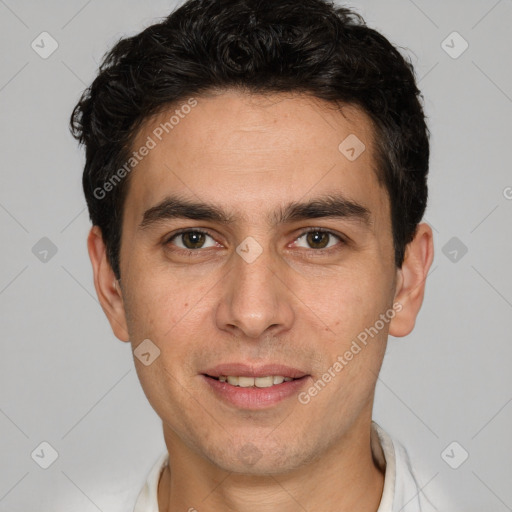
253,397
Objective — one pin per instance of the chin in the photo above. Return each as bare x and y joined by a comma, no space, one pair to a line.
260,458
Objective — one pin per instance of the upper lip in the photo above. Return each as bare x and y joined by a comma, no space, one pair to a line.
245,370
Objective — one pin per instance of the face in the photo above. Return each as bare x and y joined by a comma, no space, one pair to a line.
250,238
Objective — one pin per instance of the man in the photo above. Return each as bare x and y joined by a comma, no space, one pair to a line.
256,178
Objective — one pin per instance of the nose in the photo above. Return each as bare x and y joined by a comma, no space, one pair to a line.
255,299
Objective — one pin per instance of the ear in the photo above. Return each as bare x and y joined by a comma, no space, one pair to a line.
107,287
411,278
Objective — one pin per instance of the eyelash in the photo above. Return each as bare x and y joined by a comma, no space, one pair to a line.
196,252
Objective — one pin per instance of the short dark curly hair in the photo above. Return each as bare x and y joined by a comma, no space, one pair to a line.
258,46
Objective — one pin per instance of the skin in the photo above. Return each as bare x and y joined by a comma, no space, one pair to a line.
251,155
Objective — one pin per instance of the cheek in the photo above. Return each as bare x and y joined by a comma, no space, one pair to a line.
172,312
346,300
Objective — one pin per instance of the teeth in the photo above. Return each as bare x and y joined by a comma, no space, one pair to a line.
259,382
245,382
264,382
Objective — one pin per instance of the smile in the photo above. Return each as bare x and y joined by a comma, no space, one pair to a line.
259,382
254,393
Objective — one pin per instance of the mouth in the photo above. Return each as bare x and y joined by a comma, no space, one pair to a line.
253,382
249,387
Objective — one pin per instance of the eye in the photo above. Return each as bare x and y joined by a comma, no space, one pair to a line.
318,239
194,239
191,239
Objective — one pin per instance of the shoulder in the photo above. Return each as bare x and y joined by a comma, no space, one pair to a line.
147,500
406,488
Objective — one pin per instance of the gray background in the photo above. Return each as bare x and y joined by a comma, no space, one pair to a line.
66,380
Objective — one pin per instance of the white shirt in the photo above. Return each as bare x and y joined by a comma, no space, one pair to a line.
401,491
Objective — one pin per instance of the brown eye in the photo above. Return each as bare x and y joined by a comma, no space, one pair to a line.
318,239
191,240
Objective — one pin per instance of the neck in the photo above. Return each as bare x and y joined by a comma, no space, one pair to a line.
344,478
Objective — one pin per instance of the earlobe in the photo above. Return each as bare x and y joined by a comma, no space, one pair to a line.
105,283
411,280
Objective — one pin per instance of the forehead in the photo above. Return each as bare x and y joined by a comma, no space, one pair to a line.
254,150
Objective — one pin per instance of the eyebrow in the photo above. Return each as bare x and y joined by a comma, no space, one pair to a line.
327,206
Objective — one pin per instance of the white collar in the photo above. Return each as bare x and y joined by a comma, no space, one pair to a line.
401,492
